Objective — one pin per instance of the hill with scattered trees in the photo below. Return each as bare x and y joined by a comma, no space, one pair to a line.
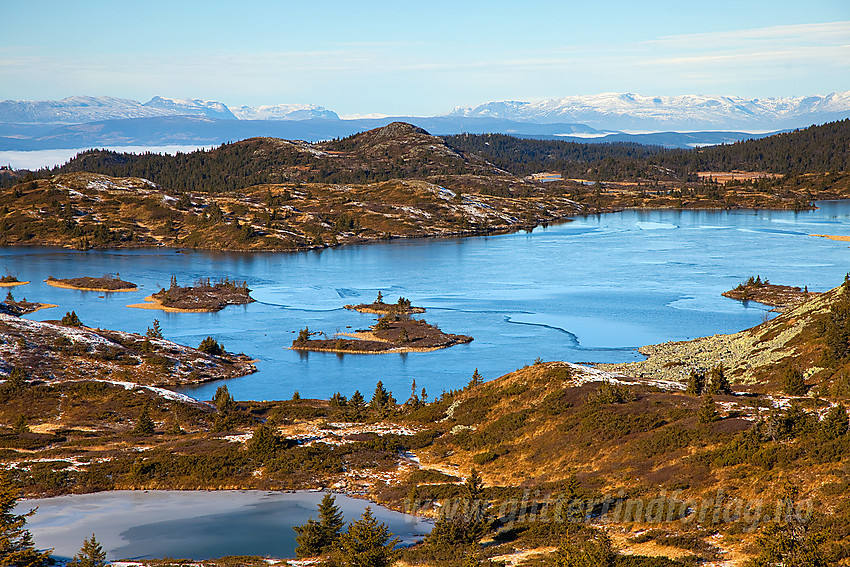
398,182
817,149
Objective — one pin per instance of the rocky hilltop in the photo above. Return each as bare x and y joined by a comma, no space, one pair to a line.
272,194
51,351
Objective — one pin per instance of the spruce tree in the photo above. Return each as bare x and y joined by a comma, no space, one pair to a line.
223,401
20,425
596,551
70,319
474,485
475,380
696,383
366,543
707,412
356,404
318,537
264,443
16,381
16,545
793,383
90,555
145,425
835,423
717,381
381,399
154,332
789,544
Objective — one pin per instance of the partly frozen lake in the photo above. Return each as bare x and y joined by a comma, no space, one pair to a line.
590,290
192,524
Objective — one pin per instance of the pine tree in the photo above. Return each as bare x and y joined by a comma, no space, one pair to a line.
210,346
16,545
70,319
366,543
707,412
90,555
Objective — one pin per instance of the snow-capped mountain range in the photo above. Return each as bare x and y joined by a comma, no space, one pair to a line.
606,111
84,109
672,121
626,111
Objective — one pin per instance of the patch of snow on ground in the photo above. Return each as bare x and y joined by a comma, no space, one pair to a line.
585,374
167,394
239,438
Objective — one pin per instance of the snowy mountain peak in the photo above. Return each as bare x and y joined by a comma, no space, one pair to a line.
83,109
182,106
623,111
284,112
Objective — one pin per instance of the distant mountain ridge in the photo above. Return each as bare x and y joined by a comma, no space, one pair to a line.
627,111
85,109
670,121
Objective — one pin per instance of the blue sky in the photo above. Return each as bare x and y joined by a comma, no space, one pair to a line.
420,58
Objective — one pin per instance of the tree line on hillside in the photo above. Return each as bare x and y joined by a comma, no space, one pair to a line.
234,166
817,149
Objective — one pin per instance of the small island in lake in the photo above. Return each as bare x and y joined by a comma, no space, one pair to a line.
782,297
395,331
10,281
11,306
203,297
106,283
378,307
